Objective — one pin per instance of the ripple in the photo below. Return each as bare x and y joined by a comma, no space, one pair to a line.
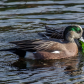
22,20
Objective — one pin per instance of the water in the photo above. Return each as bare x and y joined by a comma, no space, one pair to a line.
22,20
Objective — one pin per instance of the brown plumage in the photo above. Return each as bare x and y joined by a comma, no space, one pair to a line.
50,49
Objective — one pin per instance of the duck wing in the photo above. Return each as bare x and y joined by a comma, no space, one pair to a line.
36,45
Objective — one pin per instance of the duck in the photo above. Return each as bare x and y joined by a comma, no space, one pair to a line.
49,49
56,33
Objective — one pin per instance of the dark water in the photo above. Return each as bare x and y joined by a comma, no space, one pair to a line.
23,19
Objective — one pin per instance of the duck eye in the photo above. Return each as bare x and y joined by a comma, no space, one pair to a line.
78,31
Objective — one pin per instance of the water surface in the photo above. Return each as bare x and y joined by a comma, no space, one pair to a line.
22,20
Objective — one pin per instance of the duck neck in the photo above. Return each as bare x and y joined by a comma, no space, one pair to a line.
69,38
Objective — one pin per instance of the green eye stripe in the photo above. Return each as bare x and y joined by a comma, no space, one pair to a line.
76,29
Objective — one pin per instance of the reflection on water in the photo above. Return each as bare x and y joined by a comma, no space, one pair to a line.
50,71
22,20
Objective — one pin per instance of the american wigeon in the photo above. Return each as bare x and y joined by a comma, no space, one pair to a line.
46,49
50,32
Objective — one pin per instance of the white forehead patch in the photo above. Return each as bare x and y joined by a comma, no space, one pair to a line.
55,52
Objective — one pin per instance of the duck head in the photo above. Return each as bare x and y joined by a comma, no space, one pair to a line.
72,32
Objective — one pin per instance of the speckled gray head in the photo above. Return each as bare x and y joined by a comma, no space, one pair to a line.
72,32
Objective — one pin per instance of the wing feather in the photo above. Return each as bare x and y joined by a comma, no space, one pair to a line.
35,45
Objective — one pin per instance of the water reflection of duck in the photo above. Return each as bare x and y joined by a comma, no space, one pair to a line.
45,49
68,64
